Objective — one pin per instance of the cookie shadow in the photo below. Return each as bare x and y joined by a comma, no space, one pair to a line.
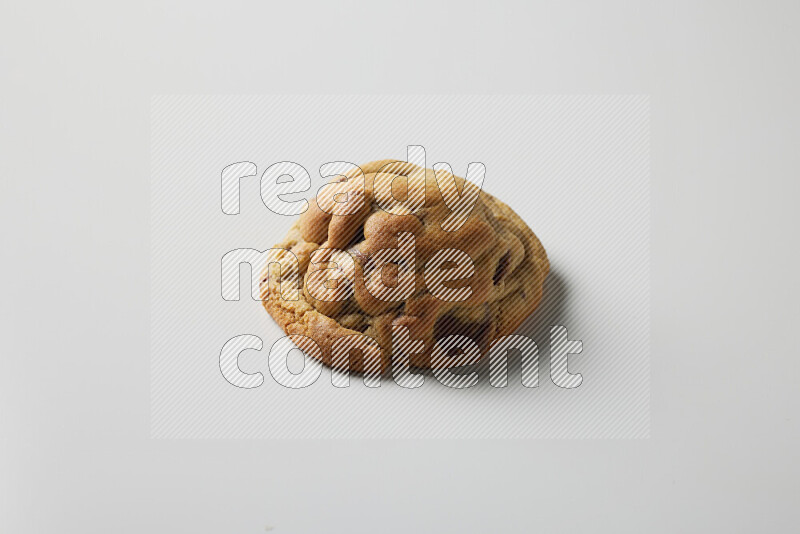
552,310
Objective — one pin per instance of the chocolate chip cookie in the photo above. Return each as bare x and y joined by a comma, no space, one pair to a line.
346,267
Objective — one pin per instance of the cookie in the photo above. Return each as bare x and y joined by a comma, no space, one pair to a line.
344,270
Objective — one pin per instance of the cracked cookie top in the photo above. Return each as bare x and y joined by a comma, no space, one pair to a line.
475,268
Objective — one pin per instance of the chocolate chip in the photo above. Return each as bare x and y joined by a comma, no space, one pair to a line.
358,237
448,325
502,268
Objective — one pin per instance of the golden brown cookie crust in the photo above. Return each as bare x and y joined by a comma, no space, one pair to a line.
506,287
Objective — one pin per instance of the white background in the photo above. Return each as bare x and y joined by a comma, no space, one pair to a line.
575,168
75,452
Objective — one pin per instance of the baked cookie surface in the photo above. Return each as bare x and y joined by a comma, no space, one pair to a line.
328,279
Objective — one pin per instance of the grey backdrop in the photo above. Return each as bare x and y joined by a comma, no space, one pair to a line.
76,83
575,168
